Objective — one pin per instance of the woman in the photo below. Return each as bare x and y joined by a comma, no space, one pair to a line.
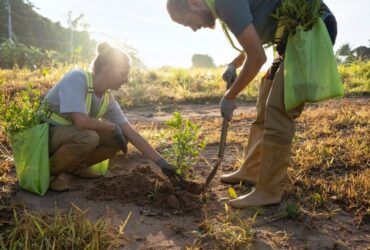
87,125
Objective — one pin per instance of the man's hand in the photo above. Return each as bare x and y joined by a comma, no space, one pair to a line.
227,107
230,75
121,139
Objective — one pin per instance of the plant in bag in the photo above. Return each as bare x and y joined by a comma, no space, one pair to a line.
29,138
292,13
182,145
310,70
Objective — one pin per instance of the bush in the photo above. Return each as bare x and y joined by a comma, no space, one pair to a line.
182,145
19,112
18,54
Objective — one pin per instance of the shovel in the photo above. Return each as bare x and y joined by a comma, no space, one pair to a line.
198,188
221,149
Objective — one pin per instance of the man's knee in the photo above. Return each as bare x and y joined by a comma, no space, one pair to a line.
279,125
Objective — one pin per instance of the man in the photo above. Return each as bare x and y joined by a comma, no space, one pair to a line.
271,134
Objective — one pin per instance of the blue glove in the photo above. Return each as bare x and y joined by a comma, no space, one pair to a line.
227,108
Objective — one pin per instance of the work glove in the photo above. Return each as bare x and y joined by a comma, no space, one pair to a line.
227,108
166,168
120,138
170,171
230,75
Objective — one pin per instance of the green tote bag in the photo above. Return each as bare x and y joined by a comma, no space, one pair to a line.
30,151
310,68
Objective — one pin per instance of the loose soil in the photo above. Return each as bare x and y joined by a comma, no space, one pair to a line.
145,187
164,217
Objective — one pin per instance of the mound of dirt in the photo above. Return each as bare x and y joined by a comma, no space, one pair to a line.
144,186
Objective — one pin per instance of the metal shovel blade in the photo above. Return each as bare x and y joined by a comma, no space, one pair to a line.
221,151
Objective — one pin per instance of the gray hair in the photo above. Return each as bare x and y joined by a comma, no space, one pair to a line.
179,7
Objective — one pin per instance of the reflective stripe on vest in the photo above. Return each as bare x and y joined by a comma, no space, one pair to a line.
211,5
54,116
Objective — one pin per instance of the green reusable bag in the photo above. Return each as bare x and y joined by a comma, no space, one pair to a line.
30,151
101,167
310,68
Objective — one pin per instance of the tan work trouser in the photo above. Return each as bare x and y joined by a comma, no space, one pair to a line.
272,125
71,148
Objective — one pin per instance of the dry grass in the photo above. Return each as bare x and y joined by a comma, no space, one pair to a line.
227,230
331,157
330,163
73,230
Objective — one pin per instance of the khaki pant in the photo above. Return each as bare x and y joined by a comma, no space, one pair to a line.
273,123
71,148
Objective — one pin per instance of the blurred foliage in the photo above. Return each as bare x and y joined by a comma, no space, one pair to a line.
202,61
34,30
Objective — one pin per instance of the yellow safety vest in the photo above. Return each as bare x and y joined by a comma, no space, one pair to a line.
56,117
211,5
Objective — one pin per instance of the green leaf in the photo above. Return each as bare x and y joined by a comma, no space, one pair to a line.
232,193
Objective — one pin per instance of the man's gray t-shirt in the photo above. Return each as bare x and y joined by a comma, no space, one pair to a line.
238,14
69,96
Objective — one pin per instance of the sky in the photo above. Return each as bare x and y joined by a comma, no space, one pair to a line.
145,25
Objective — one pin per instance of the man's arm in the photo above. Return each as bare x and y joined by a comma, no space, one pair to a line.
230,75
252,46
239,60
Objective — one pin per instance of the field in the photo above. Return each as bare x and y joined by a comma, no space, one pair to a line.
325,205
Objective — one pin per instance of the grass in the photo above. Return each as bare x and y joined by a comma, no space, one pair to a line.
168,85
331,157
356,78
29,230
227,230
330,162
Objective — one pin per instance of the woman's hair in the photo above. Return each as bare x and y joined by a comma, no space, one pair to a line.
107,55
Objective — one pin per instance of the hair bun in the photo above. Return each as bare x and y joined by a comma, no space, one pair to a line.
103,46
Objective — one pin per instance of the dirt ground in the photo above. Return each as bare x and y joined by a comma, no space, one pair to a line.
163,217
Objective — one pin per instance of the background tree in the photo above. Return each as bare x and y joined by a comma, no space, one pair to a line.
361,53
202,61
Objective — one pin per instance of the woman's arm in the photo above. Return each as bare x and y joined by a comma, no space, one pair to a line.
140,143
144,147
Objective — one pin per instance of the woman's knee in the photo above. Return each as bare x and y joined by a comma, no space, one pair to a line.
89,139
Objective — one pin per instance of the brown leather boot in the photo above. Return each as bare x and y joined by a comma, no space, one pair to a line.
274,163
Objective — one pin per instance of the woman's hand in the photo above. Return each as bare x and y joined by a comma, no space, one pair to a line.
120,138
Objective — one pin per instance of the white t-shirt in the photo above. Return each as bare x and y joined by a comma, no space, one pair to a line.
69,95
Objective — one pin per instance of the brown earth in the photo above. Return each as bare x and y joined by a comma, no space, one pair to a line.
164,217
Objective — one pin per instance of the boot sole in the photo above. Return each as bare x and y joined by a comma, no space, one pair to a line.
246,182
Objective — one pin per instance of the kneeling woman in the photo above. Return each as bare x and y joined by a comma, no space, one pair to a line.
87,125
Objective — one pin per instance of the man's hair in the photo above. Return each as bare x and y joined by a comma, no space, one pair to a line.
178,7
